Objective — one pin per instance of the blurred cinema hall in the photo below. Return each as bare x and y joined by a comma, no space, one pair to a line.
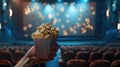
87,32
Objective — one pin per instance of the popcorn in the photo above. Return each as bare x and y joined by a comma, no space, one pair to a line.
44,38
45,31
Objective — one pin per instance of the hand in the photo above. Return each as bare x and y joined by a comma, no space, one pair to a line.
34,60
30,58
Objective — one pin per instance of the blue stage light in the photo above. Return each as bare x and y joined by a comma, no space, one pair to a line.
33,0
85,0
59,0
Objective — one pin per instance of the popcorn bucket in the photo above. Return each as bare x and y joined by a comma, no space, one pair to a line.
42,47
53,43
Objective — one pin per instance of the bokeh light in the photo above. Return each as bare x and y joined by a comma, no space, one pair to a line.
10,12
0,26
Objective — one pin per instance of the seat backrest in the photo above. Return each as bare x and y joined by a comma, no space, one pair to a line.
100,63
6,55
117,56
77,63
108,56
17,55
112,50
82,55
94,56
5,63
67,55
115,63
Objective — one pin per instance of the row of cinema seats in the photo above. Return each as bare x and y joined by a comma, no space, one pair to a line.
10,55
94,63
88,54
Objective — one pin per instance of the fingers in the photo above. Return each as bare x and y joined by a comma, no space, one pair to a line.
31,52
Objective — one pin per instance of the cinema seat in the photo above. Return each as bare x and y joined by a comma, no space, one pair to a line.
17,55
67,55
95,56
5,54
77,63
100,63
5,63
82,55
115,63
108,56
117,56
